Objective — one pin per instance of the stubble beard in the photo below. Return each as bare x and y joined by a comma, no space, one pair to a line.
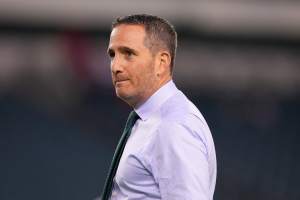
138,94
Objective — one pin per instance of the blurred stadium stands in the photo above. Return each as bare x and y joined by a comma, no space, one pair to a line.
60,121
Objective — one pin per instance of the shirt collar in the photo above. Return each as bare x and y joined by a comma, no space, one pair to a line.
155,101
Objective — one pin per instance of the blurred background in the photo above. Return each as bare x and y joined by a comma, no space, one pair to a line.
238,61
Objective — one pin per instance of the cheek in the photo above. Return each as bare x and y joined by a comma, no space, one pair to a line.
143,75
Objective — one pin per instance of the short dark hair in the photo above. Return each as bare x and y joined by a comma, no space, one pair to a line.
159,32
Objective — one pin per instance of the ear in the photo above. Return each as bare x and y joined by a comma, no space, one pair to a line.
164,63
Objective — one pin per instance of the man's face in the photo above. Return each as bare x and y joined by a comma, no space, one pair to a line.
132,64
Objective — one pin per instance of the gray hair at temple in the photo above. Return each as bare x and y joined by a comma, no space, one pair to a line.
160,33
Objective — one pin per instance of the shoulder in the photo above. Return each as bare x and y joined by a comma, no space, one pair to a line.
181,123
180,111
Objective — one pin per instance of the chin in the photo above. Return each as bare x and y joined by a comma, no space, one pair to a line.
126,96
123,94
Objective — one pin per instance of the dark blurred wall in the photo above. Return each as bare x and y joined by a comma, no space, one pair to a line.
60,120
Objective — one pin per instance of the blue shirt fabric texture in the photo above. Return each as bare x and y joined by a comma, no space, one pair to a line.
170,154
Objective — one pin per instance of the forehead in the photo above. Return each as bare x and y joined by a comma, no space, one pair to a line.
127,35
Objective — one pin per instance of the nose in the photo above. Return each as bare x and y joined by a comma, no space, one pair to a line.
116,65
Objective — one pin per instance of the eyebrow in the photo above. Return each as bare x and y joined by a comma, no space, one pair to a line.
123,49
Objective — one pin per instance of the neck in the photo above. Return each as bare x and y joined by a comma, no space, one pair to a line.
161,83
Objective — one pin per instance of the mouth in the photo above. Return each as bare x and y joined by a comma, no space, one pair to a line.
120,82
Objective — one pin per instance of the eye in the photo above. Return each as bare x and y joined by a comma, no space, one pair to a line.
111,53
128,53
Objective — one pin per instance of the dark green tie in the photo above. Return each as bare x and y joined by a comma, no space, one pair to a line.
108,186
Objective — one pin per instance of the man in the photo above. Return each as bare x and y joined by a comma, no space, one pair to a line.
169,152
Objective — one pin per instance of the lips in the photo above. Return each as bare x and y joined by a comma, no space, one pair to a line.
120,81
119,78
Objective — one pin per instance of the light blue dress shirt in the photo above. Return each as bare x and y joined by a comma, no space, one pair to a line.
170,153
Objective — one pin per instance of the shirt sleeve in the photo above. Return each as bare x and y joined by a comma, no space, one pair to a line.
178,160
